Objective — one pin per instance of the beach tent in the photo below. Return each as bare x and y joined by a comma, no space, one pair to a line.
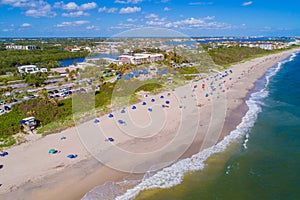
167,102
135,73
133,107
163,72
96,121
162,97
3,154
72,156
150,109
127,77
152,100
110,115
52,151
144,103
144,71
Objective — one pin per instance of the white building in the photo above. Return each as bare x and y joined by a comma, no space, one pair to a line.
140,58
30,69
21,47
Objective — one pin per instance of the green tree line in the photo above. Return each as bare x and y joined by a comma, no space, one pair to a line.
43,58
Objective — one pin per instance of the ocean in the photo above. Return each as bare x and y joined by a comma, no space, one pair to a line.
258,160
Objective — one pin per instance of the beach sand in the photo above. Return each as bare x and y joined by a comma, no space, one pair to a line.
154,138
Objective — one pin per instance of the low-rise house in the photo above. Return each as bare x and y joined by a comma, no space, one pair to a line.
30,69
140,58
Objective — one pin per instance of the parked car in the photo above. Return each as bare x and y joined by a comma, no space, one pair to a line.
7,108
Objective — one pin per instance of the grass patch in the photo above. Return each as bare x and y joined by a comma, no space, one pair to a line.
7,140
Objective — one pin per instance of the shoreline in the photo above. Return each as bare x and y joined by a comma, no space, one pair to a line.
60,182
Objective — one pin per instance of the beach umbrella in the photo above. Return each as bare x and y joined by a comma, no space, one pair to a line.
133,107
110,139
52,151
110,115
5,153
144,103
1,166
206,95
123,111
167,102
121,121
96,121
63,138
152,100
72,156
150,109
162,97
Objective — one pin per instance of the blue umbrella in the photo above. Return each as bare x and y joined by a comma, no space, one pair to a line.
144,103
162,97
167,102
123,111
121,121
96,121
110,115
133,107
152,100
110,139
150,109
72,156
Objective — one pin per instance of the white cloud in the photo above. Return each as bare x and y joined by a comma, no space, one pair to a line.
88,6
108,10
131,20
25,25
128,1
188,23
34,8
248,3
7,29
167,9
151,16
74,6
74,23
70,6
129,10
43,11
79,13
200,3
92,28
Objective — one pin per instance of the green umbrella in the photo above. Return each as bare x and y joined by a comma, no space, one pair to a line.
52,151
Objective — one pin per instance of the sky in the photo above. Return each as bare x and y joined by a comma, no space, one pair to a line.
106,18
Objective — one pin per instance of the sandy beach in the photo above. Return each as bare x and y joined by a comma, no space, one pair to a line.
150,136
